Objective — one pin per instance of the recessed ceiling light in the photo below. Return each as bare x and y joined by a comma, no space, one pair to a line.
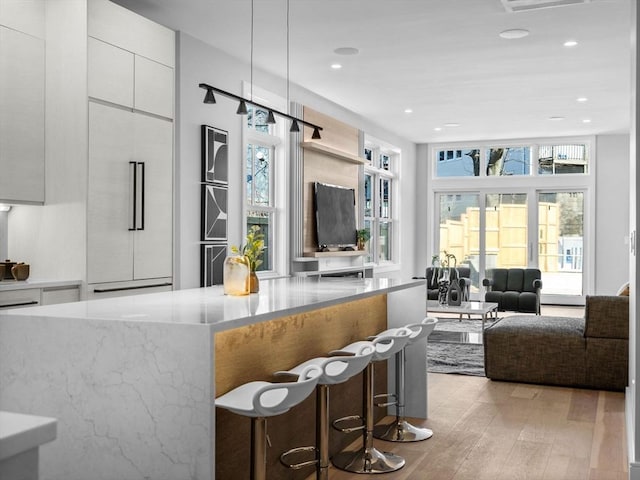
336,66
408,110
452,124
555,119
437,129
514,33
586,120
570,43
581,99
346,51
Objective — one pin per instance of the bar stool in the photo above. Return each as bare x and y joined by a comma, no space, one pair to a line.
260,400
368,459
336,369
400,430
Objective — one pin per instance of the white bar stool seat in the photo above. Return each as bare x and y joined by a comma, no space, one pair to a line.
368,459
400,430
259,400
336,369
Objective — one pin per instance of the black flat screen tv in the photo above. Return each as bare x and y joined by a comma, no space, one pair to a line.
335,215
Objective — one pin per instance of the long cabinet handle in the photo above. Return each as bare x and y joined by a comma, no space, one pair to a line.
137,287
20,304
134,196
142,184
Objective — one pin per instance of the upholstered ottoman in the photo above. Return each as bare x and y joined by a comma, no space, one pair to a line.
536,349
590,352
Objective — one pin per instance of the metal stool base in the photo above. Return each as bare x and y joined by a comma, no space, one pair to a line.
368,461
401,431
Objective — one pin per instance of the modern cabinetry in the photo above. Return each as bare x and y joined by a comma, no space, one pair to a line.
130,189
33,295
22,67
130,202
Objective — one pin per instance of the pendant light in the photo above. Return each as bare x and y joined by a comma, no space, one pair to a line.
209,97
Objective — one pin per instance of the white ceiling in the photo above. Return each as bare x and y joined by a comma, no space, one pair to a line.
442,58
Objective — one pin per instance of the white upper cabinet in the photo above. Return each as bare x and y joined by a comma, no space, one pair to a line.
22,67
26,16
118,26
111,75
153,87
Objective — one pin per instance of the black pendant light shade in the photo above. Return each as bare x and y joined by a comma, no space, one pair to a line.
242,108
209,97
271,119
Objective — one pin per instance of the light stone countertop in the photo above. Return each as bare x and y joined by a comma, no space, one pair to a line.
20,433
209,306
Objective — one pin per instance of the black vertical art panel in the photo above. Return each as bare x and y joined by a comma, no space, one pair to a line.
215,161
215,178
214,213
212,264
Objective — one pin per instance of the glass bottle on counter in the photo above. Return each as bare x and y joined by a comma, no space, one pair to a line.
236,273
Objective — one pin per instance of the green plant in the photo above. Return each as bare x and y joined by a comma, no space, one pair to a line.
253,248
363,235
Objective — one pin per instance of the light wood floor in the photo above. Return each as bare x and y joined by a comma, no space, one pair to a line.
486,429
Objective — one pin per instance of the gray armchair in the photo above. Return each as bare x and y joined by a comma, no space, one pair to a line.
514,289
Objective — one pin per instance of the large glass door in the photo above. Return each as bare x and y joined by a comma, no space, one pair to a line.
561,243
494,230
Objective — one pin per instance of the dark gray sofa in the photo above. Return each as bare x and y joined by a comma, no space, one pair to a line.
589,352
515,289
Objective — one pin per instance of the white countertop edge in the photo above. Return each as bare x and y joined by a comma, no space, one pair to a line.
20,433
9,285
211,308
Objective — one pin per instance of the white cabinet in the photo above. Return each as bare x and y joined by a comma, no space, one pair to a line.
130,195
21,117
153,87
111,76
19,298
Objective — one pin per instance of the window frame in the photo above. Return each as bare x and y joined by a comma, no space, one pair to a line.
585,182
378,173
276,140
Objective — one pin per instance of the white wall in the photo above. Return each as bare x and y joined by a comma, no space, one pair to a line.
198,62
612,213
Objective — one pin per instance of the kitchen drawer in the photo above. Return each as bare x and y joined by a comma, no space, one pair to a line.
123,289
20,298
53,295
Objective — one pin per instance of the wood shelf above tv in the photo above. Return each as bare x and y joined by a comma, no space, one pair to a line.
336,253
334,152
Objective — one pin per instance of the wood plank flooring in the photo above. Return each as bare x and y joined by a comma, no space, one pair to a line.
494,430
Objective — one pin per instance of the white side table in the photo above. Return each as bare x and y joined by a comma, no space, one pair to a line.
20,438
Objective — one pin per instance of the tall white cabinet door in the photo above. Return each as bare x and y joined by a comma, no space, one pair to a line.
110,202
153,147
21,117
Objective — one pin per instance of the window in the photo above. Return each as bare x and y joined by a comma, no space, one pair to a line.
532,220
510,160
265,187
380,185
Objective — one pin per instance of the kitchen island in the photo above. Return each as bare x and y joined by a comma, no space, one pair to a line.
132,380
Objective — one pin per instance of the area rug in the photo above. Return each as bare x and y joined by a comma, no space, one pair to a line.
458,358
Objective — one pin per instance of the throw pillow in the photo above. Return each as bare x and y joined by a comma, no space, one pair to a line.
624,290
